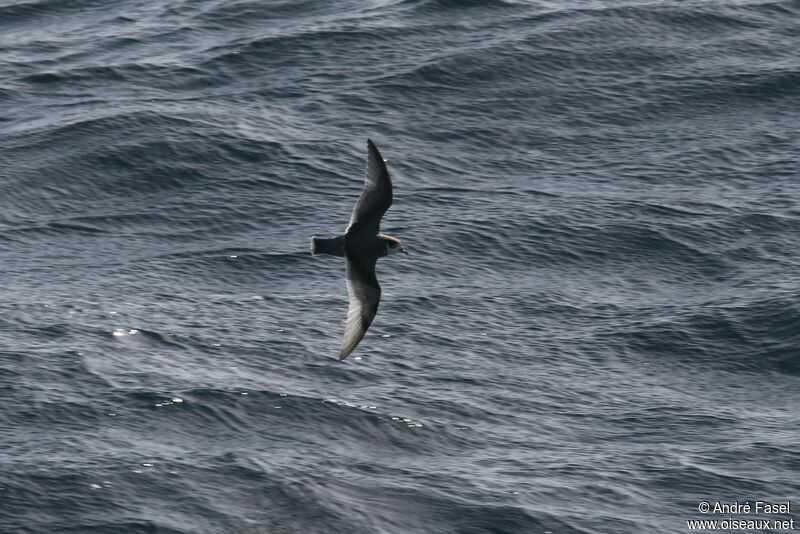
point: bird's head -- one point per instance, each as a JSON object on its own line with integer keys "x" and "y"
{"x": 393, "y": 245}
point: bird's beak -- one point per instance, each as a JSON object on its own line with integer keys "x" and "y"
{"x": 404, "y": 251}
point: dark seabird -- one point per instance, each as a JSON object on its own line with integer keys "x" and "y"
{"x": 362, "y": 244}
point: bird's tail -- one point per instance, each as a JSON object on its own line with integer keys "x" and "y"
{"x": 333, "y": 246}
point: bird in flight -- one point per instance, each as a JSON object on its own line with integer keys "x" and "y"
{"x": 362, "y": 244}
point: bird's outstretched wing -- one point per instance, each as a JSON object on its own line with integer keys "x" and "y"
{"x": 364, "y": 294}
{"x": 376, "y": 197}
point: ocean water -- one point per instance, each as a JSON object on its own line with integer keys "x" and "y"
{"x": 598, "y": 327}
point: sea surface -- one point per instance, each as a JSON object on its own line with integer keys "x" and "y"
{"x": 597, "y": 328}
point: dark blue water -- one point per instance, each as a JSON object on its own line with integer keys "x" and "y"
{"x": 598, "y": 326}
